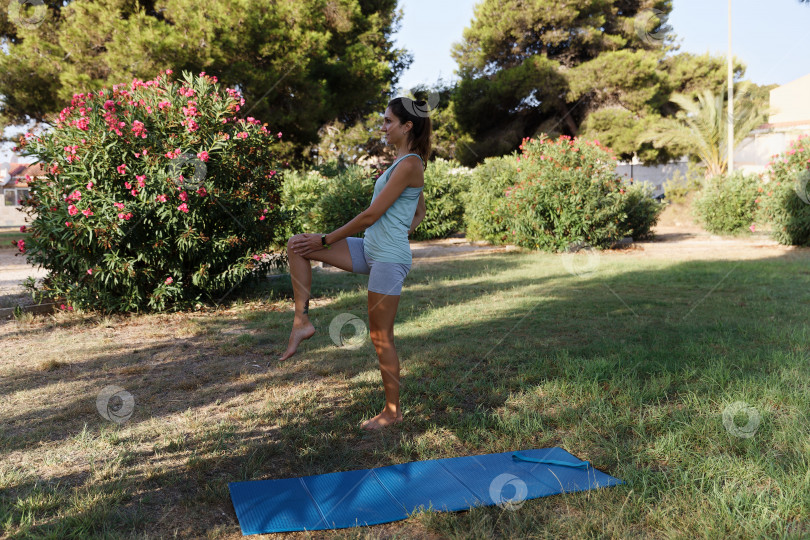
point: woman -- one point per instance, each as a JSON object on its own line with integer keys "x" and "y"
{"x": 396, "y": 209}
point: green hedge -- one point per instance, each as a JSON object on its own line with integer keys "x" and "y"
{"x": 727, "y": 203}
{"x": 326, "y": 198}
{"x": 446, "y": 182}
{"x": 642, "y": 210}
{"x": 316, "y": 203}
{"x": 486, "y": 186}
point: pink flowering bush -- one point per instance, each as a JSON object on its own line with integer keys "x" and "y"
{"x": 157, "y": 197}
{"x": 784, "y": 201}
{"x": 565, "y": 192}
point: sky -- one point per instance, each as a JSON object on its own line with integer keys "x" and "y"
{"x": 769, "y": 36}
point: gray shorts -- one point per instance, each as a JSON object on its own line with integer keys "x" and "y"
{"x": 383, "y": 277}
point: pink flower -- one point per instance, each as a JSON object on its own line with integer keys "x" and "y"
{"x": 202, "y": 192}
{"x": 121, "y": 168}
{"x": 203, "y": 155}
{"x": 21, "y": 245}
{"x": 183, "y": 208}
{"x": 67, "y": 224}
{"x": 141, "y": 180}
{"x": 183, "y": 196}
{"x": 139, "y": 129}
{"x": 279, "y": 135}
{"x": 161, "y": 198}
{"x": 127, "y": 185}
{"x": 169, "y": 279}
{"x": 261, "y": 218}
{"x": 87, "y": 212}
{"x": 134, "y": 192}
{"x": 118, "y": 205}
{"x": 72, "y": 210}
{"x": 120, "y": 215}
{"x": 22, "y": 229}
{"x": 89, "y": 185}
{"x": 137, "y": 154}
{"x": 89, "y": 270}
{"x": 752, "y": 227}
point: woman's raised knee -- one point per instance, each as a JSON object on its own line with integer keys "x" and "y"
{"x": 290, "y": 240}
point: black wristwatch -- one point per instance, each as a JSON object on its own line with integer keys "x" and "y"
{"x": 323, "y": 241}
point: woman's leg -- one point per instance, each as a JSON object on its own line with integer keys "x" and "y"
{"x": 382, "y": 310}
{"x": 301, "y": 274}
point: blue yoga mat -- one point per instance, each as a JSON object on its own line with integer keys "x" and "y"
{"x": 371, "y": 496}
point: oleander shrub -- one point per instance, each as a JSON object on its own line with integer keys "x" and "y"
{"x": 157, "y": 197}
{"x": 483, "y": 197}
{"x": 726, "y": 204}
{"x": 784, "y": 200}
{"x": 446, "y": 181}
{"x": 567, "y": 192}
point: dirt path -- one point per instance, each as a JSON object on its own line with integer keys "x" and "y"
{"x": 13, "y": 271}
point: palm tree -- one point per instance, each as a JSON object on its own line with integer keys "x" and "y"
{"x": 700, "y": 127}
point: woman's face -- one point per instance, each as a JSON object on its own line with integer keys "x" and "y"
{"x": 393, "y": 131}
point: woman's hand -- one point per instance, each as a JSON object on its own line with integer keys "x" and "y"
{"x": 306, "y": 244}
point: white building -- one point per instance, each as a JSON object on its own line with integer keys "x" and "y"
{"x": 789, "y": 118}
{"x": 13, "y": 188}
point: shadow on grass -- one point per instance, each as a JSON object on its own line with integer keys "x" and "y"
{"x": 476, "y": 333}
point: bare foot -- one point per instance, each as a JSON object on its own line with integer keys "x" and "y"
{"x": 381, "y": 420}
{"x": 300, "y": 332}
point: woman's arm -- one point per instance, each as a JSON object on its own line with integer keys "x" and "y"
{"x": 400, "y": 179}
{"x": 420, "y": 213}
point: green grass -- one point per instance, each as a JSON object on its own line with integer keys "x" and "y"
{"x": 630, "y": 368}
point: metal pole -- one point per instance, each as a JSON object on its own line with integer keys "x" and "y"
{"x": 730, "y": 98}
